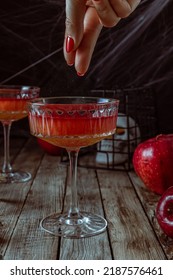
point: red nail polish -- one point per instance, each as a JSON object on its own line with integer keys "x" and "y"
{"x": 80, "y": 74}
{"x": 70, "y": 64}
{"x": 69, "y": 44}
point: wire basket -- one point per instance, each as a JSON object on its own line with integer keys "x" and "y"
{"x": 137, "y": 121}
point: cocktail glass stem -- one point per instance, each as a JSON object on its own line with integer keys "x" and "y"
{"x": 73, "y": 123}
{"x": 13, "y": 107}
{"x": 7, "y": 168}
{"x": 8, "y": 175}
{"x": 73, "y": 157}
{"x": 74, "y": 223}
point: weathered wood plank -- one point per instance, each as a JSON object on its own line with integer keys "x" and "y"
{"x": 44, "y": 197}
{"x": 91, "y": 248}
{"x": 128, "y": 206}
{"x": 13, "y": 196}
{"x": 149, "y": 201}
{"x": 130, "y": 232}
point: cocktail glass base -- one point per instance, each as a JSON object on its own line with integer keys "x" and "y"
{"x": 82, "y": 225}
{"x": 14, "y": 177}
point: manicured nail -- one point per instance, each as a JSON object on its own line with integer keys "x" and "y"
{"x": 69, "y": 44}
{"x": 80, "y": 74}
{"x": 70, "y": 64}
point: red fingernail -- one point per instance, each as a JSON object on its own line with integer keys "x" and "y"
{"x": 80, "y": 74}
{"x": 69, "y": 44}
{"x": 70, "y": 64}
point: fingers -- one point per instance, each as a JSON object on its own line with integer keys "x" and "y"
{"x": 82, "y": 30}
{"x": 124, "y": 8}
{"x": 107, "y": 14}
{"x": 111, "y": 11}
{"x": 75, "y": 12}
{"x": 92, "y": 29}
{"x": 84, "y": 21}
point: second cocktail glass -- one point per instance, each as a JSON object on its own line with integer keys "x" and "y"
{"x": 73, "y": 123}
{"x": 13, "y": 101}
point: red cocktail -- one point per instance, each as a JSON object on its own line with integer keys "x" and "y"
{"x": 72, "y": 123}
{"x": 69, "y": 126}
{"x": 13, "y": 107}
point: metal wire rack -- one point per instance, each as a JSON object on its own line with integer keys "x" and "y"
{"x": 137, "y": 121}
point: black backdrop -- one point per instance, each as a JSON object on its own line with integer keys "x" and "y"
{"x": 31, "y": 39}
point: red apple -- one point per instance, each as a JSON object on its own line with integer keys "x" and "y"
{"x": 49, "y": 148}
{"x": 153, "y": 162}
{"x": 164, "y": 212}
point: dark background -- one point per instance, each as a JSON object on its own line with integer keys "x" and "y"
{"x": 137, "y": 52}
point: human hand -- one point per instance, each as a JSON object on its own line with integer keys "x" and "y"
{"x": 84, "y": 22}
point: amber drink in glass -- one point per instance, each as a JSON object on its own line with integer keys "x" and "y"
{"x": 73, "y": 123}
{"x": 13, "y": 107}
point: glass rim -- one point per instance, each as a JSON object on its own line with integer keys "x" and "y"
{"x": 38, "y": 100}
{"x": 4, "y": 86}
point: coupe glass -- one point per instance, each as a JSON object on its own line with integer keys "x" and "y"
{"x": 13, "y": 100}
{"x": 73, "y": 123}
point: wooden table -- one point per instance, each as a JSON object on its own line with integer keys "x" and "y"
{"x": 132, "y": 233}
